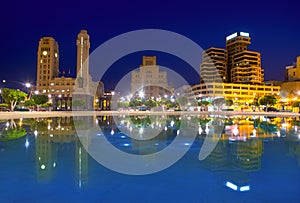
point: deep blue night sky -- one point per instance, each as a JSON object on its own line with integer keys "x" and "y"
{"x": 274, "y": 28}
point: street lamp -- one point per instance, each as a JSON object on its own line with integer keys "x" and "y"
{"x": 141, "y": 94}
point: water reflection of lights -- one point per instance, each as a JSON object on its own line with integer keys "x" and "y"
{"x": 231, "y": 185}
{"x": 172, "y": 123}
{"x": 235, "y": 131}
{"x": 123, "y": 136}
{"x": 43, "y": 166}
{"x": 141, "y": 130}
{"x": 278, "y": 133}
{"x": 54, "y": 165}
{"x": 245, "y": 188}
{"x": 200, "y": 130}
{"x": 112, "y": 132}
{"x": 26, "y": 143}
{"x": 236, "y": 188}
{"x": 206, "y": 128}
{"x": 35, "y": 133}
{"x": 254, "y": 133}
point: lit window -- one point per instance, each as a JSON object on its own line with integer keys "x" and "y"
{"x": 52, "y": 84}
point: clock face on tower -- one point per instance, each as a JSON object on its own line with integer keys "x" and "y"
{"x": 44, "y": 53}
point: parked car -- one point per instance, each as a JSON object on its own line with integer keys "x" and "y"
{"x": 270, "y": 109}
{"x": 5, "y": 109}
{"x": 21, "y": 109}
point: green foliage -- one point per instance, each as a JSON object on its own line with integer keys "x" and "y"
{"x": 48, "y": 104}
{"x": 123, "y": 104}
{"x": 13, "y": 97}
{"x": 255, "y": 101}
{"x": 78, "y": 103}
{"x": 296, "y": 104}
{"x": 3, "y": 105}
{"x": 150, "y": 103}
{"x": 28, "y": 103}
{"x": 135, "y": 103}
{"x": 229, "y": 102}
{"x": 13, "y": 133}
{"x": 204, "y": 103}
{"x": 40, "y": 99}
{"x": 268, "y": 100}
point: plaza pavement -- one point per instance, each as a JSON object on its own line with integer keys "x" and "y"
{"x": 33, "y": 114}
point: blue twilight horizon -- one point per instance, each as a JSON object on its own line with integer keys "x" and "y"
{"x": 273, "y": 29}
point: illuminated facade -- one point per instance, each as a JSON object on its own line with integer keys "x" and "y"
{"x": 47, "y": 63}
{"x": 234, "y": 92}
{"x": 83, "y": 51}
{"x": 149, "y": 79}
{"x": 214, "y": 65}
{"x": 292, "y": 73}
{"x": 243, "y": 66}
{"x": 60, "y": 89}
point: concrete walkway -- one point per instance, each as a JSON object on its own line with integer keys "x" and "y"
{"x": 33, "y": 114}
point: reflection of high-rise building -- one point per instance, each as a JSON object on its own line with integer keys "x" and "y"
{"x": 214, "y": 65}
{"x": 53, "y": 136}
{"x": 218, "y": 158}
{"x": 149, "y": 79}
{"x": 247, "y": 155}
{"x": 44, "y": 155}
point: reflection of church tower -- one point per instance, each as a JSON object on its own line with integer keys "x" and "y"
{"x": 44, "y": 158}
{"x": 83, "y": 47}
{"x": 247, "y": 155}
{"x": 81, "y": 162}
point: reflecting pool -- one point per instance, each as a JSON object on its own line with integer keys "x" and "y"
{"x": 220, "y": 159}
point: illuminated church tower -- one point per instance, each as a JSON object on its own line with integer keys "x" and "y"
{"x": 83, "y": 51}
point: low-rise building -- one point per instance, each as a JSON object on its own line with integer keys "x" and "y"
{"x": 242, "y": 93}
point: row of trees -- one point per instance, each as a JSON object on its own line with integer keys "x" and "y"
{"x": 13, "y": 97}
{"x": 268, "y": 100}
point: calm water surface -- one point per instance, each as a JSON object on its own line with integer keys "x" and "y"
{"x": 43, "y": 160}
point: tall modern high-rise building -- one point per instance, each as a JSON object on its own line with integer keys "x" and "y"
{"x": 233, "y": 73}
{"x": 243, "y": 66}
{"x": 47, "y": 63}
{"x": 149, "y": 79}
{"x": 214, "y": 65}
